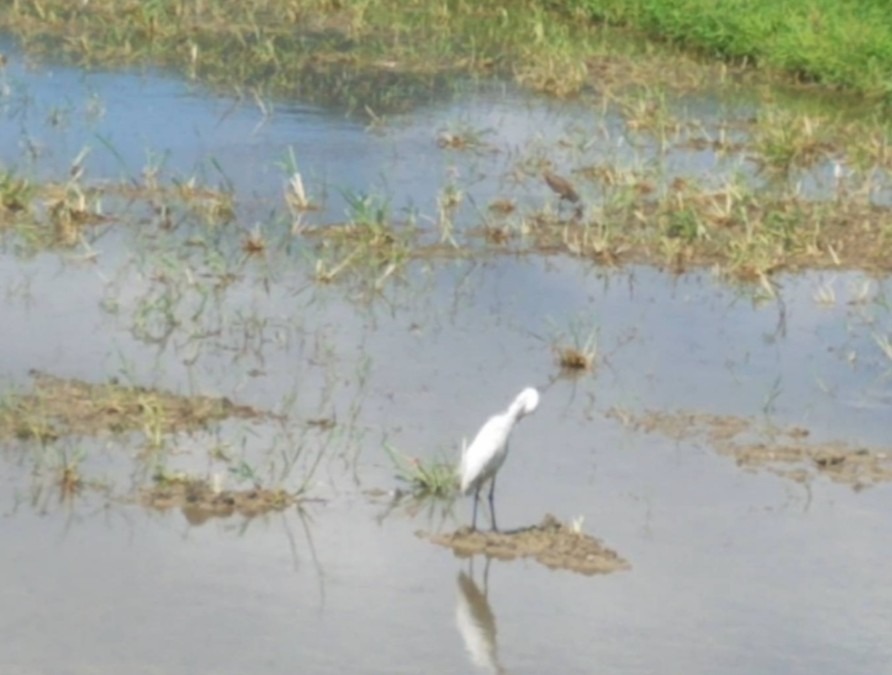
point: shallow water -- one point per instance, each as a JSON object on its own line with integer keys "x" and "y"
{"x": 732, "y": 571}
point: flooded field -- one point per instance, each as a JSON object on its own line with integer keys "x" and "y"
{"x": 239, "y": 335}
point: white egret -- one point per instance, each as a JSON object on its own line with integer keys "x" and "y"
{"x": 482, "y": 459}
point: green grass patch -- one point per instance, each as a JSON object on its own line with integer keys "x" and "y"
{"x": 434, "y": 478}
{"x": 844, "y": 43}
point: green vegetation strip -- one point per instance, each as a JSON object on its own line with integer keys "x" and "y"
{"x": 844, "y": 43}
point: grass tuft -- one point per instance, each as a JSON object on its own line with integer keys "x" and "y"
{"x": 435, "y": 478}
{"x": 577, "y": 349}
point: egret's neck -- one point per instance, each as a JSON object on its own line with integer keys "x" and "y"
{"x": 515, "y": 410}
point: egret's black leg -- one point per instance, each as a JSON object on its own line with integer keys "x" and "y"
{"x": 474, "y": 517}
{"x": 492, "y": 506}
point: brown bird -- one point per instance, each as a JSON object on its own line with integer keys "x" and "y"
{"x": 564, "y": 189}
{"x": 561, "y": 186}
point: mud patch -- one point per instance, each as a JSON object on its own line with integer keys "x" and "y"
{"x": 550, "y": 543}
{"x": 786, "y": 452}
{"x": 61, "y": 407}
{"x": 200, "y": 501}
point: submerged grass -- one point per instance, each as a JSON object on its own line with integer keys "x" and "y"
{"x": 53, "y": 215}
{"x": 372, "y": 245}
{"x": 369, "y": 53}
{"x": 63, "y": 407}
{"x": 201, "y": 500}
{"x": 369, "y": 56}
{"x": 790, "y": 452}
{"x": 744, "y": 232}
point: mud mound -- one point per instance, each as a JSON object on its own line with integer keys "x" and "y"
{"x": 550, "y": 542}
{"x": 199, "y": 501}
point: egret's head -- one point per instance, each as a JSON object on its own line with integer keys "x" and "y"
{"x": 527, "y": 401}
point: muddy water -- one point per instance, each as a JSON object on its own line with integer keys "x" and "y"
{"x": 731, "y": 571}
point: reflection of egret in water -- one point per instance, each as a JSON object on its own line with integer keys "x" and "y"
{"x": 477, "y": 623}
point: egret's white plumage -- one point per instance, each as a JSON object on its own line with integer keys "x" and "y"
{"x": 482, "y": 459}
